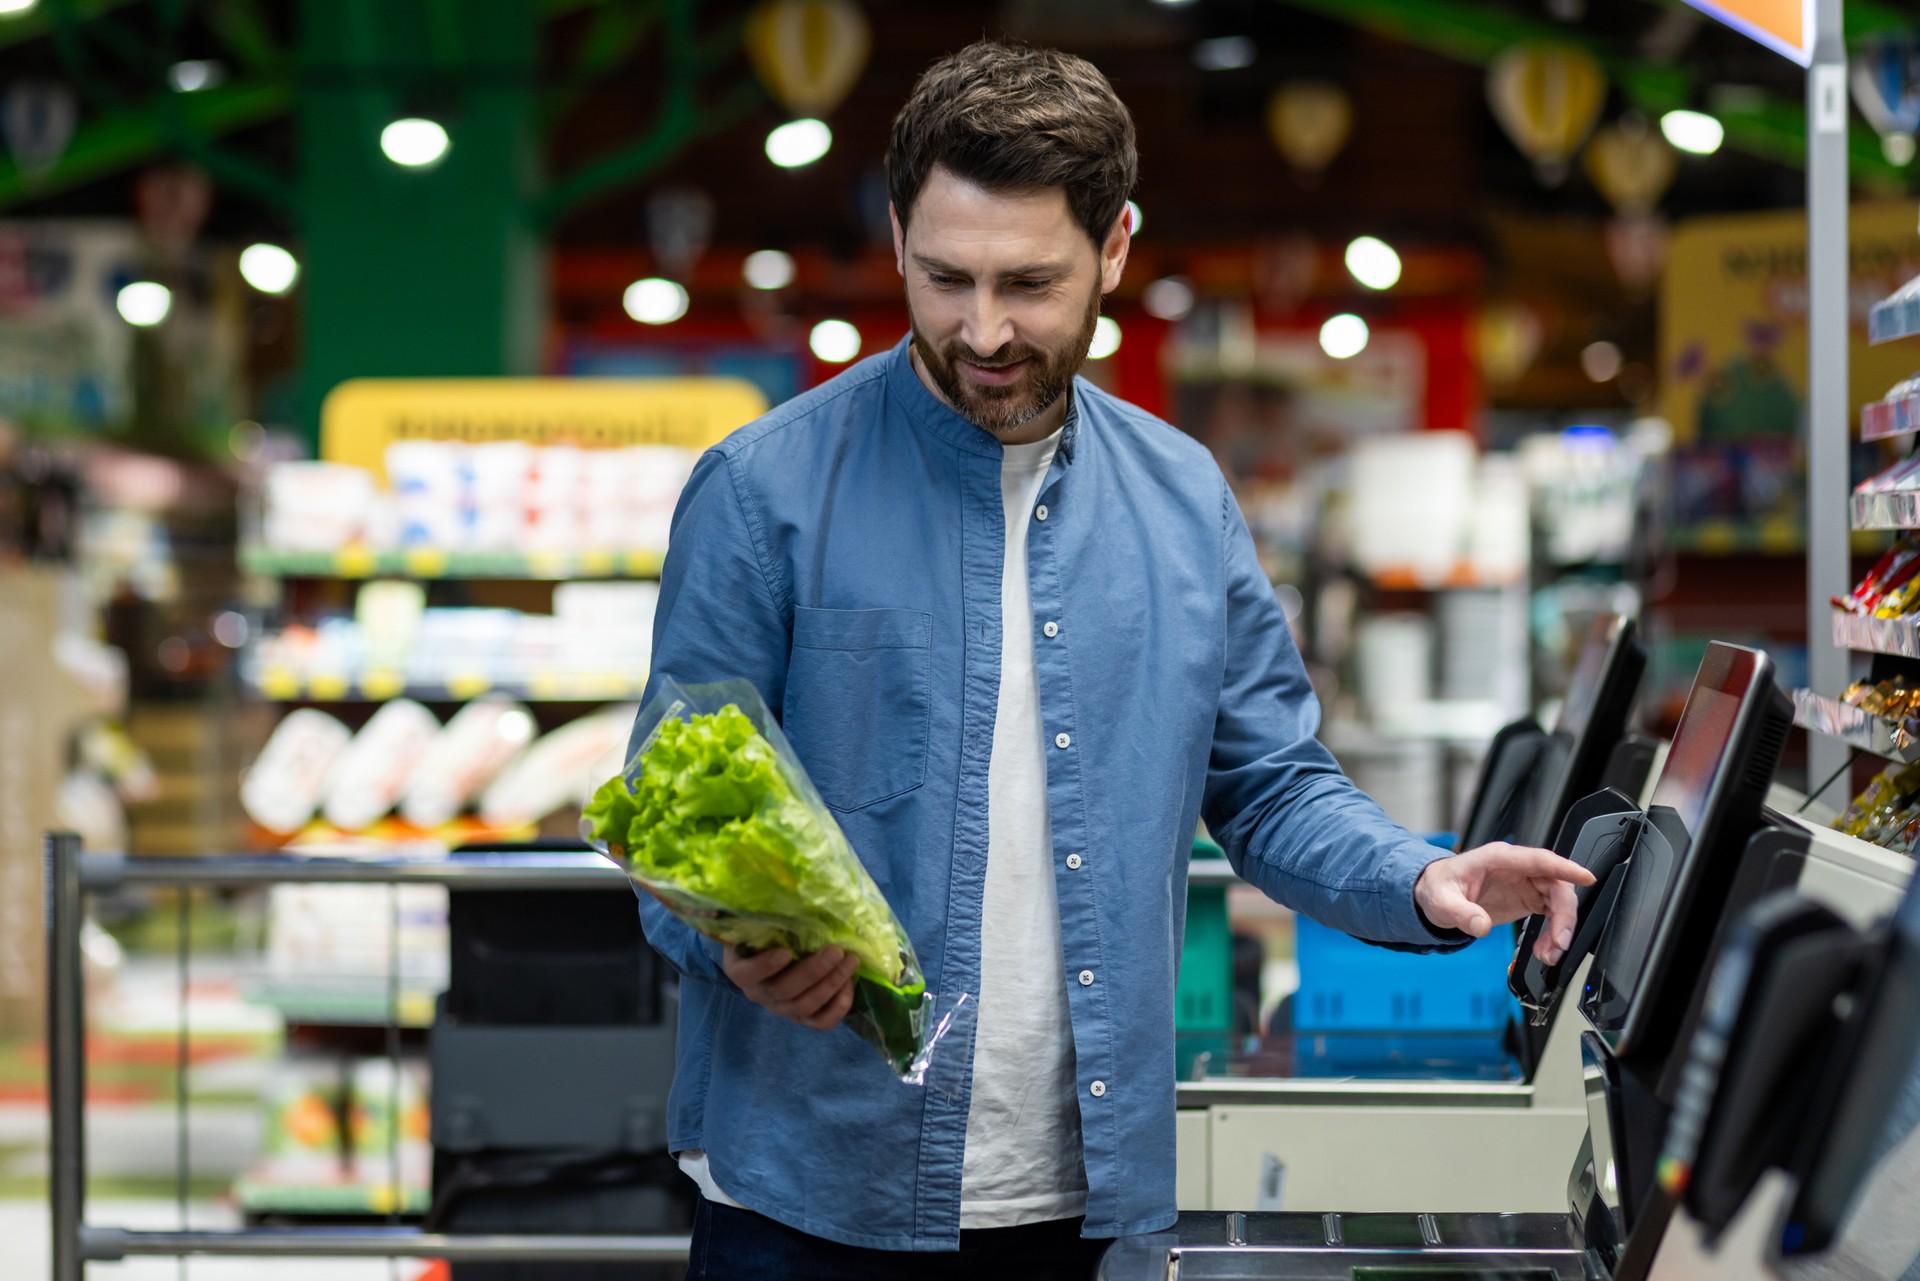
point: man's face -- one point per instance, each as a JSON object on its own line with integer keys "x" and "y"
{"x": 1003, "y": 289}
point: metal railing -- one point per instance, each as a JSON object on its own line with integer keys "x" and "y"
{"x": 71, "y": 874}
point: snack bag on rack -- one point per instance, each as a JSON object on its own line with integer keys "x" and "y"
{"x": 716, "y": 819}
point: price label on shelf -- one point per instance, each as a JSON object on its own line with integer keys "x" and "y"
{"x": 382, "y": 685}
{"x": 468, "y": 685}
{"x": 327, "y": 687}
{"x": 280, "y": 683}
{"x": 595, "y": 565}
{"x": 354, "y": 562}
{"x": 426, "y": 562}
{"x": 549, "y": 564}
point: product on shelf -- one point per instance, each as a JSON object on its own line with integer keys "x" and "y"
{"x": 1888, "y": 589}
{"x": 1903, "y": 475}
{"x": 1893, "y": 699}
{"x": 503, "y": 496}
{"x": 598, "y": 632}
{"x": 1905, "y": 389}
{"x": 302, "y": 1139}
{"x": 1888, "y": 811}
{"x": 372, "y": 773}
{"x": 464, "y": 757}
{"x": 318, "y": 506}
{"x": 289, "y": 779}
{"x": 372, "y": 1144}
{"x": 559, "y": 770}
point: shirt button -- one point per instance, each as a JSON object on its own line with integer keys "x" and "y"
{"x": 1051, "y": 630}
{"x": 1098, "y": 1089}
{"x": 1073, "y": 862}
{"x": 1040, "y": 512}
{"x": 1062, "y": 742}
{"x": 1086, "y": 978}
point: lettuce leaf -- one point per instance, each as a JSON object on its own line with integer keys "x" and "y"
{"x": 714, "y": 815}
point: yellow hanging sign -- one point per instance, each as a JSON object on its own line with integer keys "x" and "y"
{"x": 362, "y": 416}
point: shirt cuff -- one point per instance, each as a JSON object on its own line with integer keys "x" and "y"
{"x": 1406, "y": 924}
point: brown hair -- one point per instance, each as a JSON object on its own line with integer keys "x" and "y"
{"x": 1009, "y": 117}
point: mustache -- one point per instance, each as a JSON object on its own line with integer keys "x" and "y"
{"x": 1000, "y": 359}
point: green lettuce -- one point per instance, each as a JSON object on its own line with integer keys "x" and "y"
{"x": 714, "y": 826}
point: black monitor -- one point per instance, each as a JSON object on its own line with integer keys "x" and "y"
{"x": 1651, "y": 961}
{"x": 1869, "y": 1098}
{"x": 1530, "y": 777}
{"x": 1591, "y": 722}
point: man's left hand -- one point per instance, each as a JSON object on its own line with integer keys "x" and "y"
{"x": 1500, "y": 883}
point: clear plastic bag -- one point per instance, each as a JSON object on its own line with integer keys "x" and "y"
{"x": 716, "y": 819}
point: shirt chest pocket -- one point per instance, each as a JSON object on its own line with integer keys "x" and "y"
{"x": 856, "y": 705}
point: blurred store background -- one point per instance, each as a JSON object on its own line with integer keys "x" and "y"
{"x": 1493, "y": 311}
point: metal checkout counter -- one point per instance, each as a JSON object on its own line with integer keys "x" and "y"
{"x": 1234, "y": 1132}
{"x": 1676, "y": 879}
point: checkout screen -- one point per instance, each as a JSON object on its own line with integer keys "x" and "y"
{"x": 1698, "y": 754}
{"x": 1698, "y": 757}
{"x": 1576, "y": 709}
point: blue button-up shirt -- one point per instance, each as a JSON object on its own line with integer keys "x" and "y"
{"x": 844, "y": 553}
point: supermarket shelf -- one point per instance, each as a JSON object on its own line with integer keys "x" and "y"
{"x": 258, "y": 1195}
{"x": 427, "y": 562}
{"x": 1894, "y": 317}
{"x": 1899, "y": 636}
{"x": 1880, "y": 419}
{"x": 377, "y": 687}
{"x": 1856, "y": 727}
{"x": 1894, "y": 509}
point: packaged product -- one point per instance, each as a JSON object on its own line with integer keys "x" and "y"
{"x": 559, "y": 770}
{"x": 715, "y": 817}
{"x": 466, "y": 755}
{"x": 289, "y": 779}
{"x": 372, "y": 773}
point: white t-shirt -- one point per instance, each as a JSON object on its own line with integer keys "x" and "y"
{"x": 1023, "y": 1157}
{"x": 1023, "y": 1161}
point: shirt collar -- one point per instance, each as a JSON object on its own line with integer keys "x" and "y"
{"x": 943, "y": 421}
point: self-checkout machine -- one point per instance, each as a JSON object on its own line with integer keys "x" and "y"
{"x": 1281, "y": 1142}
{"x": 1794, "y": 1151}
{"x": 1670, "y": 876}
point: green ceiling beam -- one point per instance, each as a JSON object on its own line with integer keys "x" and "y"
{"x": 126, "y": 138}
{"x": 1772, "y": 128}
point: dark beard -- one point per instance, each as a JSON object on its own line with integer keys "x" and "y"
{"x": 1002, "y": 411}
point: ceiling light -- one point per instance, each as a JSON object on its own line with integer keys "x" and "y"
{"x": 1601, "y": 361}
{"x": 144, "y": 302}
{"x": 414, "y": 142}
{"x": 799, "y": 142}
{"x": 768, "y": 269}
{"x": 268, "y": 268}
{"x": 834, "y": 341}
{"x": 1106, "y": 338}
{"x": 1169, "y": 298}
{"x": 195, "y": 75}
{"x": 1224, "y": 53}
{"x": 1135, "y": 219}
{"x": 1373, "y": 263}
{"x": 655, "y": 301}
{"x": 1694, "y": 131}
{"x": 1343, "y": 336}
{"x": 13, "y": 8}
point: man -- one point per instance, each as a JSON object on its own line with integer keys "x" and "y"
{"x": 1017, "y": 634}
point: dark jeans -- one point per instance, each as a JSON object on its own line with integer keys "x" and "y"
{"x": 739, "y": 1245}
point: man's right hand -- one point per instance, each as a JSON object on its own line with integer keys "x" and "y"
{"x": 815, "y": 991}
